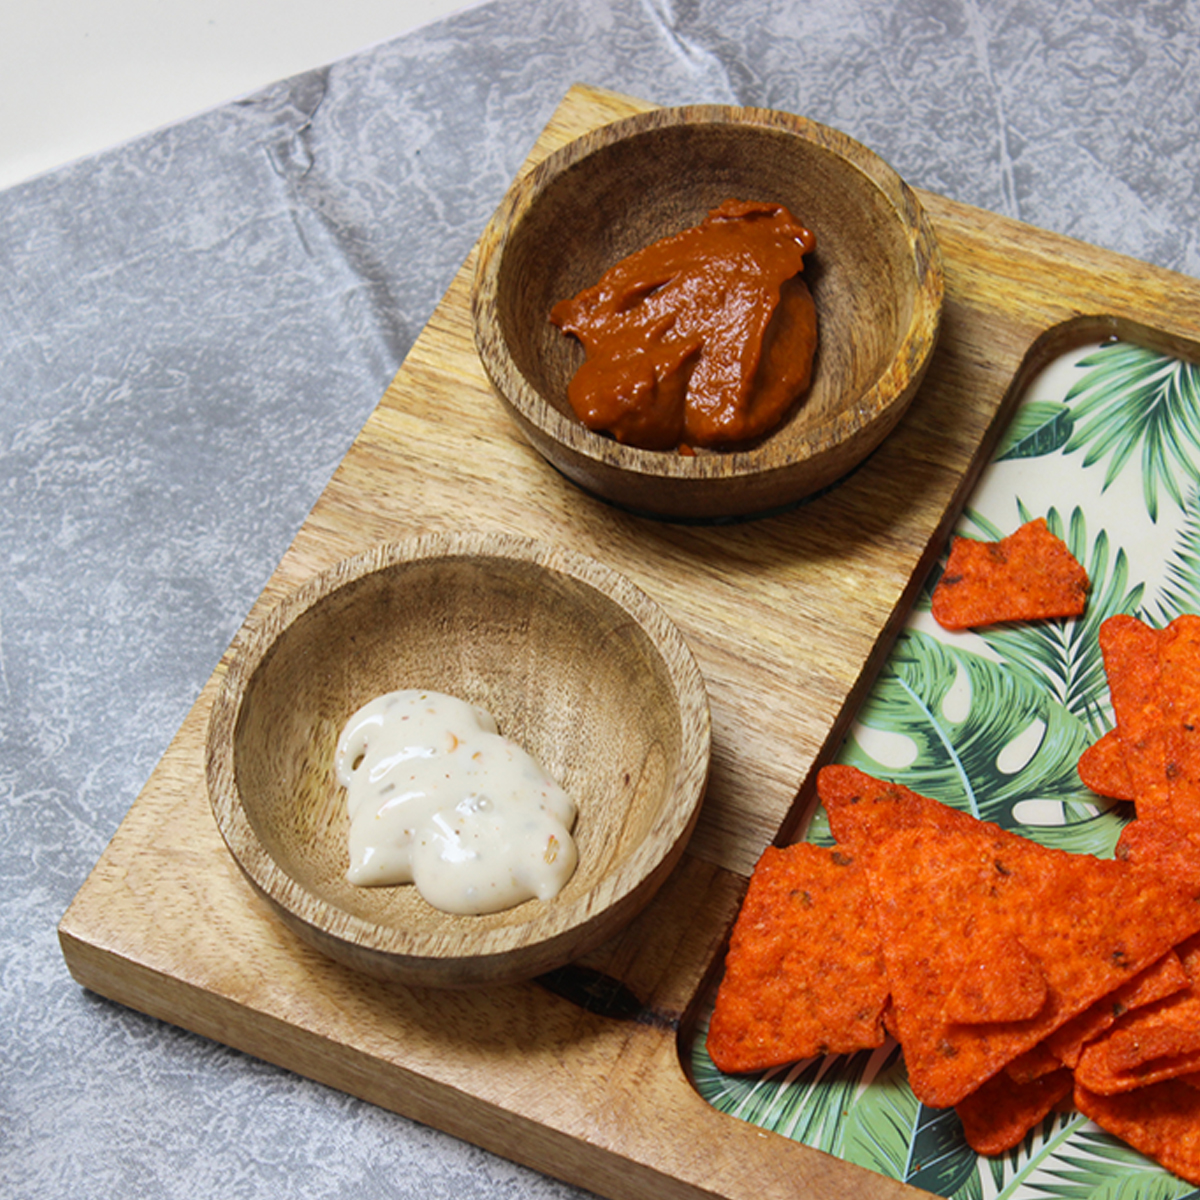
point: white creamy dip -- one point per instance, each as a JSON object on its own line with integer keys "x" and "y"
{"x": 438, "y": 798}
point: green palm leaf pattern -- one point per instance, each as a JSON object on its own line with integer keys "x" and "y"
{"x": 942, "y": 1162}
{"x": 1084, "y": 1163}
{"x": 1135, "y": 398}
{"x": 880, "y": 1127}
{"x": 981, "y": 736}
{"x": 1181, "y": 589}
{"x": 809, "y": 1101}
{"x": 891, "y": 1132}
{"x": 1038, "y": 428}
{"x": 993, "y": 721}
{"x": 1065, "y": 655}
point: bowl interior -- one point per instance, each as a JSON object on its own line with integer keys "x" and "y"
{"x": 570, "y": 671}
{"x": 615, "y": 196}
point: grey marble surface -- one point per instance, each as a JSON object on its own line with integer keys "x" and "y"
{"x": 193, "y": 328}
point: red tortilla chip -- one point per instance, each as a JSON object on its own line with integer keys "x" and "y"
{"x": 1162, "y": 1121}
{"x": 1144, "y": 1057}
{"x": 1179, "y": 681}
{"x": 869, "y": 816}
{"x": 999, "y": 1114}
{"x": 1155, "y": 1042}
{"x": 862, "y": 809}
{"x": 1103, "y": 769}
{"x": 1154, "y": 1050}
{"x": 1154, "y": 683}
{"x": 1162, "y": 847}
{"x": 804, "y": 974}
{"x": 941, "y": 893}
{"x": 1033, "y": 1064}
{"x": 1001, "y": 981}
{"x": 1161, "y": 979}
{"x": 1131, "y": 662}
{"x": 1164, "y": 1063}
{"x": 1028, "y": 576}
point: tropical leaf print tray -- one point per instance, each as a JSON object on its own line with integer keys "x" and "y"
{"x": 1106, "y": 446}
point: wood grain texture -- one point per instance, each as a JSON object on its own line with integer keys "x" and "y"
{"x": 633, "y": 182}
{"x": 787, "y": 617}
{"x": 575, "y": 665}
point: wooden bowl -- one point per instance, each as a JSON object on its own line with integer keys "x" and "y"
{"x": 573, "y": 661}
{"x": 875, "y": 275}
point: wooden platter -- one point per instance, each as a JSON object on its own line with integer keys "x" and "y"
{"x": 581, "y": 1075}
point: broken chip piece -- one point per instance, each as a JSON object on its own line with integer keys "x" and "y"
{"x": 1028, "y": 576}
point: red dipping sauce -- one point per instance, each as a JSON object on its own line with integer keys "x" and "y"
{"x": 705, "y": 338}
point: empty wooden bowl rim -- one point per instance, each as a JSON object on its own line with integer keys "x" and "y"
{"x": 915, "y": 349}
{"x": 471, "y": 940}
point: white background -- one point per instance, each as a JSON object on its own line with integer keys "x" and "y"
{"x": 78, "y": 76}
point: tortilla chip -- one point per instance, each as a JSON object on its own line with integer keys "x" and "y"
{"x": 1179, "y": 683}
{"x": 1162, "y": 847}
{"x": 804, "y": 974}
{"x": 862, "y": 809}
{"x": 1155, "y": 1042}
{"x": 1103, "y": 769}
{"x": 1152, "y": 756}
{"x": 1091, "y": 925}
{"x": 1131, "y": 661}
{"x": 1001, "y": 1112}
{"x": 1154, "y": 683}
{"x": 1155, "y": 1050}
{"x": 1160, "y": 979}
{"x": 1162, "y": 1121}
{"x": 1002, "y": 981}
{"x": 1028, "y": 576}
{"x": 1163, "y": 1062}
{"x": 1033, "y": 1064}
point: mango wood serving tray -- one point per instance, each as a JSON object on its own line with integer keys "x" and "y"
{"x": 581, "y": 1075}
